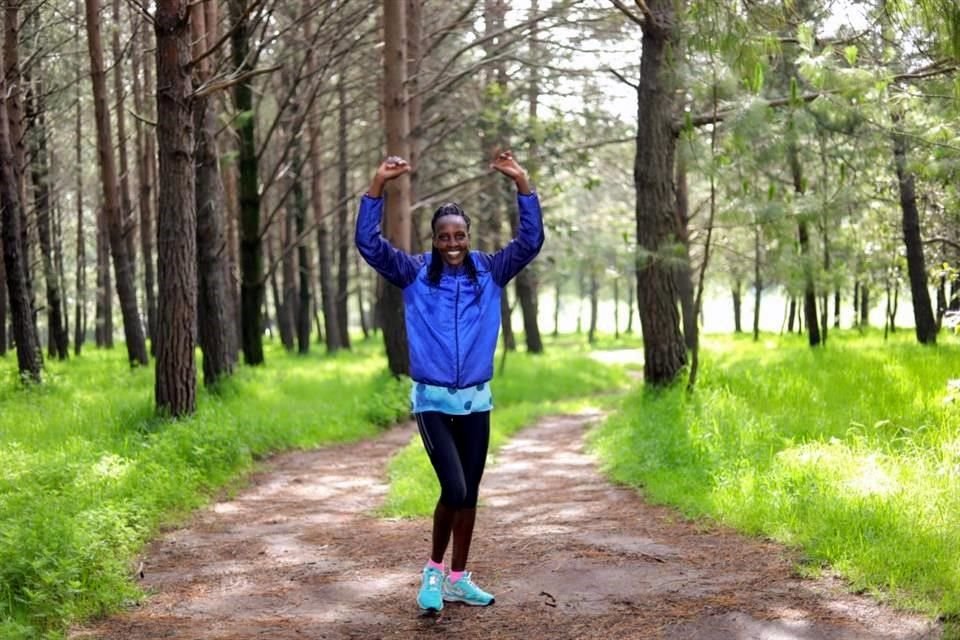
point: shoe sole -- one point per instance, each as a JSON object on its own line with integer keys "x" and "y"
{"x": 472, "y": 603}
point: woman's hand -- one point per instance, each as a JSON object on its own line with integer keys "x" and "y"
{"x": 505, "y": 163}
{"x": 392, "y": 167}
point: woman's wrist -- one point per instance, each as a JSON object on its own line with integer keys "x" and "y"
{"x": 376, "y": 187}
{"x": 523, "y": 184}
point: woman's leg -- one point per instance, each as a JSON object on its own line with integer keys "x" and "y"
{"x": 472, "y": 437}
{"x": 436, "y": 432}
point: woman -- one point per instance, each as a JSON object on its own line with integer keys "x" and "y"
{"x": 452, "y": 307}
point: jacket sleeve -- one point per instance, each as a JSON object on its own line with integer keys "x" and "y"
{"x": 398, "y": 267}
{"x": 510, "y": 260}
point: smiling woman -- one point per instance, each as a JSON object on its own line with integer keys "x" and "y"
{"x": 451, "y": 300}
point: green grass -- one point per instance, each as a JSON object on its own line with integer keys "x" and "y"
{"x": 848, "y": 452}
{"x": 564, "y": 379}
{"x": 88, "y": 474}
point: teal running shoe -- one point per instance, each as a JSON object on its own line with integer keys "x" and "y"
{"x": 430, "y": 598}
{"x": 463, "y": 590}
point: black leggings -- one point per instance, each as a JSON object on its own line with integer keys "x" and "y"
{"x": 457, "y": 446}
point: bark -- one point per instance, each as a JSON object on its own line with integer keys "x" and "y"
{"x": 17, "y": 141}
{"x": 29, "y": 359}
{"x": 328, "y": 294}
{"x": 397, "y": 212}
{"x": 3, "y": 305}
{"x": 526, "y": 284}
{"x": 298, "y": 207}
{"x": 864, "y": 306}
{"x": 80, "y": 309}
{"x": 657, "y": 295}
{"x": 803, "y": 238}
{"x": 126, "y": 204}
{"x": 594, "y": 308}
{"x": 122, "y": 267}
{"x": 924, "y": 321}
{"x": 57, "y": 340}
{"x": 414, "y": 110}
{"x": 684, "y": 272}
{"x": 216, "y": 326}
{"x": 104, "y": 310}
{"x": 737, "y": 293}
{"x": 286, "y": 306}
{"x": 176, "y": 369}
{"x": 343, "y": 227}
{"x": 252, "y": 285}
{"x": 146, "y": 172}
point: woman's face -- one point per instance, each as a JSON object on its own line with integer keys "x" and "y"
{"x": 452, "y": 239}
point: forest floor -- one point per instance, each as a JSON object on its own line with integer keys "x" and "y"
{"x": 299, "y": 553}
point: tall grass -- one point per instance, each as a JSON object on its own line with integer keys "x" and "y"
{"x": 563, "y": 379}
{"x": 87, "y": 474}
{"x": 848, "y": 452}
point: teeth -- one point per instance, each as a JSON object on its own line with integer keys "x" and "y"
{"x": 453, "y": 254}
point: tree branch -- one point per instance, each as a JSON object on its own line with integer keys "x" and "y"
{"x": 947, "y": 241}
{"x": 625, "y": 10}
{"x": 225, "y": 83}
{"x": 623, "y": 79}
{"x": 720, "y": 116}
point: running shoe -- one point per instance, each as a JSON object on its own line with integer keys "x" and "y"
{"x": 463, "y": 590}
{"x": 430, "y": 598}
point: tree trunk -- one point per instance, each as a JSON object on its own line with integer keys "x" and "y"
{"x": 397, "y": 215}
{"x": 126, "y": 204}
{"x": 57, "y": 338}
{"x": 657, "y": 296}
{"x": 856, "y": 303}
{"x": 737, "y": 293}
{"x": 216, "y": 329}
{"x": 864, "y": 306}
{"x": 17, "y": 140}
{"x": 288, "y": 306}
{"x": 926, "y": 325}
{"x": 123, "y": 270}
{"x": 176, "y": 368}
{"x": 684, "y": 271}
{"x": 344, "y": 246}
{"x": 328, "y": 294}
{"x": 594, "y": 307}
{"x": 299, "y": 211}
{"x": 3, "y": 304}
{"x": 803, "y": 236}
{"x": 757, "y": 280}
{"x": 104, "y": 311}
{"x": 285, "y": 298}
{"x": 29, "y": 360}
{"x": 526, "y": 284}
{"x": 414, "y": 9}
{"x": 146, "y": 172}
{"x": 252, "y": 285}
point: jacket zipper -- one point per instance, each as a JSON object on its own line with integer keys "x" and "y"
{"x": 456, "y": 330}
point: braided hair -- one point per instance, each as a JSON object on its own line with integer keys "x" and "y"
{"x": 436, "y": 263}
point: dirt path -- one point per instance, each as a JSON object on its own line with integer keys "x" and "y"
{"x": 297, "y": 555}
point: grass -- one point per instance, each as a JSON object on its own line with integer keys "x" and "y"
{"x": 849, "y": 453}
{"x": 564, "y": 379}
{"x": 88, "y": 474}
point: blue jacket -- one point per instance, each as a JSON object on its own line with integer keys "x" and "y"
{"x": 452, "y": 328}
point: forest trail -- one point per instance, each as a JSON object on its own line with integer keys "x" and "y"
{"x": 298, "y": 554}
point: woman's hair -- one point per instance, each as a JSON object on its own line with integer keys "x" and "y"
{"x": 436, "y": 262}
